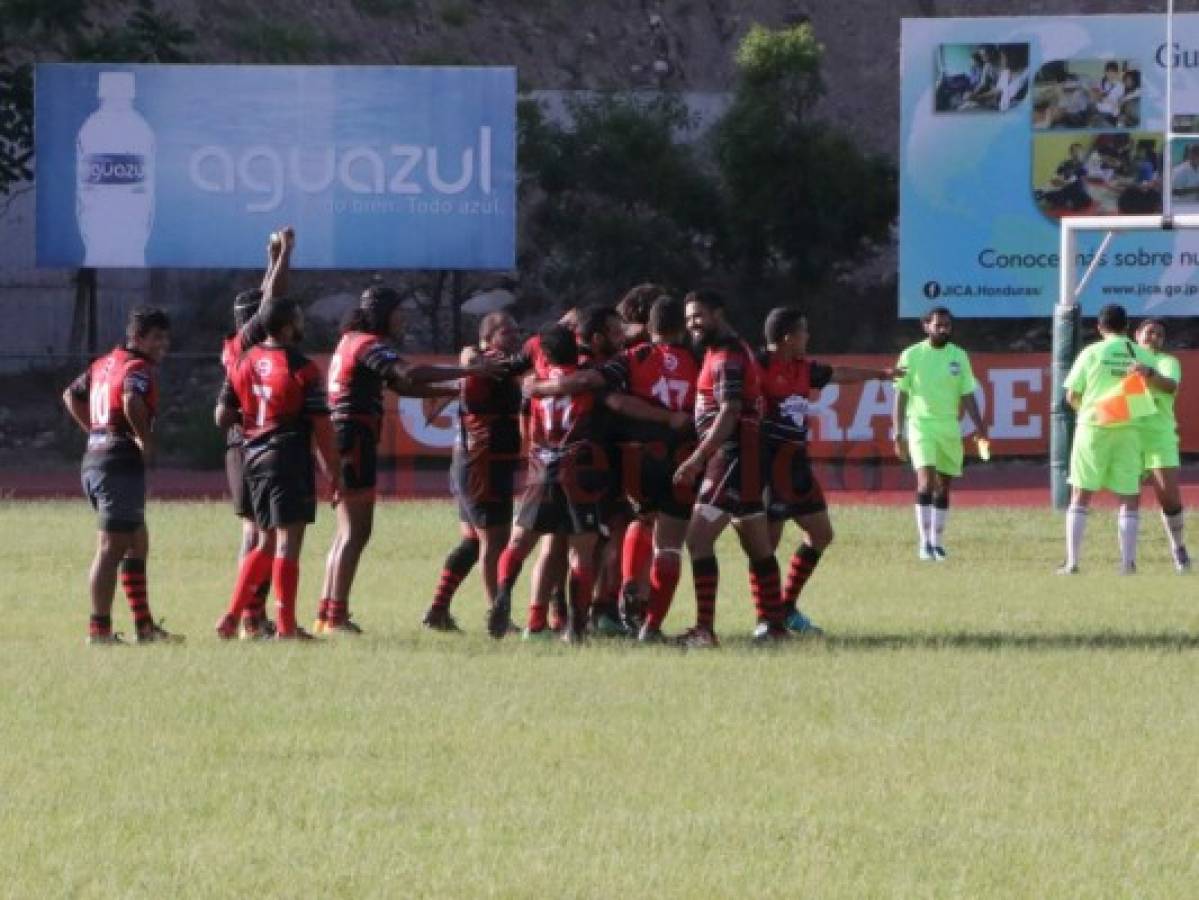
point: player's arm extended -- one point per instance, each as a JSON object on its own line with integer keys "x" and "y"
{"x": 644, "y": 411}
{"x": 722, "y": 429}
{"x": 138, "y": 416}
{"x": 76, "y": 404}
{"x": 275, "y": 281}
{"x": 858, "y": 374}
{"x": 405, "y": 376}
{"x": 1156, "y": 380}
{"x": 579, "y": 382}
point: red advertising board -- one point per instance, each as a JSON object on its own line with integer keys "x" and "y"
{"x": 848, "y": 421}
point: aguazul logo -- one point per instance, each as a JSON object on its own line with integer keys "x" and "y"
{"x": 114, "y": 168}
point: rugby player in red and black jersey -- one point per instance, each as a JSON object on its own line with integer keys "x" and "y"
{"x": 565, "y": 483}
{"x": 789, "y": 379}
{"x": 366, "y": 361}
{"x": 637, "y": 552}
{"x": 115, "y": 402}
{"x": 279, "y": 396}
{"x": 485, "y": 458}
{"x": 728, "y": 413}
{"x": 245, "y": 334}
{"x": 662, "y": 373}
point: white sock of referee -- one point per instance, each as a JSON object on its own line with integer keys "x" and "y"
{"x": 1076, "y": 527}
{"x": 1127, "y": 525}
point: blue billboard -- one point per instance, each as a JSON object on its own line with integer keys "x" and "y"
{"x": 192, "y": 166}
{"x": 1008, "y": 125}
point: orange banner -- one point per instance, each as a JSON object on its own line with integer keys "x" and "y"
{"x": 848, "y": 421}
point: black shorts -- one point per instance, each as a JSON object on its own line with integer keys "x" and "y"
{"x": 550, "y": 509}
{"x": 484, "y": 490}
{"x": 358, "y": 449}
{"x": 118, "y": 496}
{"x": 239, "y": 488}
{"x": 282, "y": 487}
{"x": 732, "y": 482}
{"x": 649, "y": 480}
{"x": 792, "y": 489}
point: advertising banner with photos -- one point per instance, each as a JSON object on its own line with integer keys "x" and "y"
{"x": 1007, "y": 125}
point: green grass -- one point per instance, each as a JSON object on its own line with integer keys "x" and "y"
{"x": 975, "y": 728}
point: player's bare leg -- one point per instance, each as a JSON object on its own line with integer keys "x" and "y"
{"x": 511, "y": 560}
{"x": 111, "y": 547}
{"x": 582, "y": 582}
{"x": 355, "y": 523}
{"x": 549, "y": 583}
{"x": 457, "y": 566}
{"x": 1169, "y": 498}
{"x": 665, "y": 569}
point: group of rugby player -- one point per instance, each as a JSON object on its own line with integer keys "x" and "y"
{"x": 648, "y": 427}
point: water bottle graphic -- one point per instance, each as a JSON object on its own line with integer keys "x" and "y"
{"x": 114, "y": 198}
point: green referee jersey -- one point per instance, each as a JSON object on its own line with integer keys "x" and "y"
{"x": 935, "y": 381}
{"x": 1098, "y": 371}
{"x": 1163, "y": 421}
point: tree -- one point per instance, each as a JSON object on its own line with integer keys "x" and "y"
{"x": 803, "y": 197}
{"x": 615, "y": 197}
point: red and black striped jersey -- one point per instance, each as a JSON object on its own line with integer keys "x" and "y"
{"x": 562, "y": 430}
{"x": 278, "y": 391}
{"x": 665, "y": 374}
{"x": 231, "y": 351}
{"x": 358, "y": 370}
{"x": 489, "y": 416}
{"x": 104, "y": 384}
{"x": 787, "y": 387}
{"x": 729, "y": 373}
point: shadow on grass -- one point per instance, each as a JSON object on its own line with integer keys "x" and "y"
{"x": 998, "y": 640}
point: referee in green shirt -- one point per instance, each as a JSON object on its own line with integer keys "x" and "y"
{"x": 1106, "y": 453}
{"x": 936, "y": 385}
{"x": 1159, "y": 438}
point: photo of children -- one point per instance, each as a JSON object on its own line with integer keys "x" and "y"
{"x": 1087, "y": 93}
{"x": 1184, "y": 176}
{"x": 980, "y": 77}
{"x": 1098, "y": 174}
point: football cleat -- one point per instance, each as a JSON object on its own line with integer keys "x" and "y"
{"x": 538, "y": 635}
{"x": 800, "y": 625}
{"x": 699, "y": 639}
{"x": 939, "y": 554}
{"x": 926, "y": 553}
{"x": 298, "y": 635}
{"x": 499, "y": 617}
{"x": 575, "y": 636}
{"x": 109, "y": 639}
{"x": 604, "y": 624}
{"x": 770, "y": 633}
{"x": 632, "y": 609}
{"x": 346, "y": 626}
{"x": 1066, "y": 569}
{"x": 226, "y": 628}
{"x": 1182, "y": 561}
{"x": 439, "y": 619}
{"x": 650, "y": 634}
{"x": 154, "y": 633}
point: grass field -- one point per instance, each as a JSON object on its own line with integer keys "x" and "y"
{"x": 974, "y": 728}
